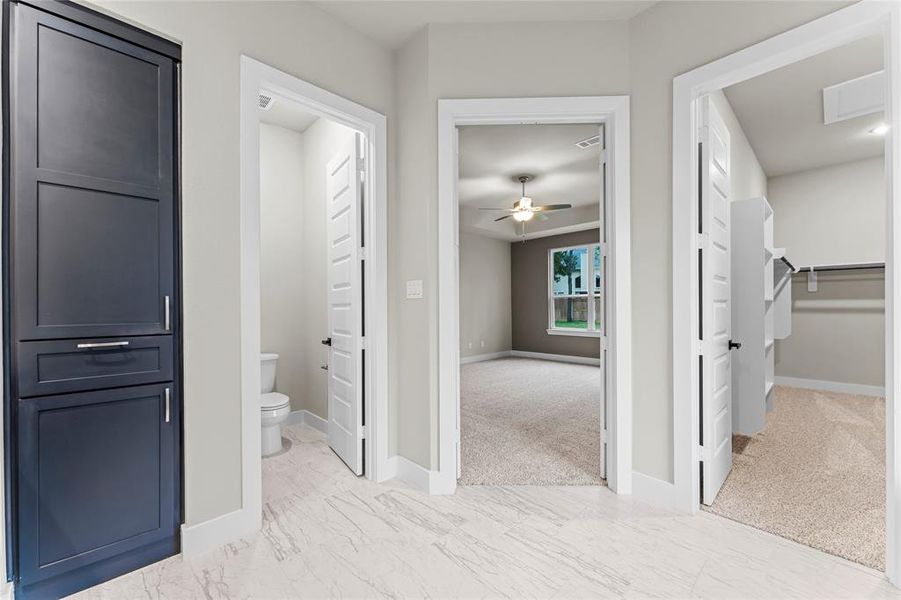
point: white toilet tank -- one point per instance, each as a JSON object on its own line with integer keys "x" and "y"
{"x": 268, "y": 364}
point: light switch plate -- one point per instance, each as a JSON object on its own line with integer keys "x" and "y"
{"x": 414, "y": 288}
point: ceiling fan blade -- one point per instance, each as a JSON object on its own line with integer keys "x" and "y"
{"x": 551, "y": 207}
{"x": 506, "y": 209}
{"x": 502, "y": 218}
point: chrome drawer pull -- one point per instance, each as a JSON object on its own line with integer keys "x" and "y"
{"x": 167, "y": 405}
{"x": 101, "y": 345}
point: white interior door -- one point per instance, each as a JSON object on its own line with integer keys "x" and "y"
{"x": 345, "y": 398}
{"x": 716, "y": 320}
{"x": 602, "y": 315}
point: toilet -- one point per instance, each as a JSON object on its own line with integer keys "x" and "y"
{"x": 274, "y": 407}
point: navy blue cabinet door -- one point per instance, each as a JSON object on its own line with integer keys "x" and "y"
{"x": 96, "y": 481}
{"x": 92, "y": 187}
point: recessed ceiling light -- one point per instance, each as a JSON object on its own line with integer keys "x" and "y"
{"x": 880, "y": 129}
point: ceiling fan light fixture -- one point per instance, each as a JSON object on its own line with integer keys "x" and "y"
{"x": 523, "y": 215}
{"x": 525, "y": 203}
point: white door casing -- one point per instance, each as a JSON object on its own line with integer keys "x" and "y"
{"x": 715, "y": 307}
{"x": 602, "y": 309}
{"x": 345, "y": 398}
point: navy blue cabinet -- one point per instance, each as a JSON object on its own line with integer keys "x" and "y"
{"x": 92, "y": 342}
{"x": 96, "y": 482}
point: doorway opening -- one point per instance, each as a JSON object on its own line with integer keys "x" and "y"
{"x": 783, "y": 299}
{"x": 610, "y": 395}
{"x": 312, "y": 171}
{"x": 314, "y": 246}
{"x": 532, "y": 304}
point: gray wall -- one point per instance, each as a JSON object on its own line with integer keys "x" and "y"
{"x": 838, "y": 332}
{"x": 282, "y": 233}
{"x": 834, "y": 215}
{"x": 530, "y": 297}
{"x": 639, "y": 57}
{"x": 302, "y": 40}
{"x": 485, "y": 310}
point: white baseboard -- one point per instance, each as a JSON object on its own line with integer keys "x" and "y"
{"x": 653, "y": 491}
{"x": 410, "y": 472}
{"x": 315, "y": 421}
{"x": 831, "y": 386}
{"x": 482, "y": 357}
{"x": 209, "y": 535}
{"x": 307, "y": 418}
{"x": 579, "y": 360}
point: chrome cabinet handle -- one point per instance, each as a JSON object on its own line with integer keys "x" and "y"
{"x": 166, "y": 321}
{"x": 101, "y": 345}
{"x": 167, "y": 405}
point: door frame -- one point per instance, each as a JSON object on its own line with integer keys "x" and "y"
{"x": 866, "y": 18}
{"x": 256, "y": 75}
{"x": 613, "y": 111}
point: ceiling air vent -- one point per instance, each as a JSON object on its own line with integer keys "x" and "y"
{"x": 266, "y": 101}
{"x": 592, "y": 141}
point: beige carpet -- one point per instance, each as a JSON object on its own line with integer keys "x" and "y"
{"x": 815, "y": 475}
{"x": 529, "y": 422}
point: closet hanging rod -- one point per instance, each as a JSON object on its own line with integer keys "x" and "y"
{"x": 842, "y": 267}
{"x": 788, "y": 263}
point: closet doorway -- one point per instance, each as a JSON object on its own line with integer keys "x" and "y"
{"x": 789, "y": 258}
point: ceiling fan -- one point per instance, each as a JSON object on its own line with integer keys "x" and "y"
{"x": 523, "y": 210}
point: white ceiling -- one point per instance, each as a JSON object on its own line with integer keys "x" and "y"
{"x": 781, "y": 112}
{"x": 491, "y": 156}
{"x": 391, "y": 23}
{"x": 290, "y": 115}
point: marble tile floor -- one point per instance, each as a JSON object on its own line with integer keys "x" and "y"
{"x": 328, "y": 534}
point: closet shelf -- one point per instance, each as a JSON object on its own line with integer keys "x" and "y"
{"x": 769, "y": 344}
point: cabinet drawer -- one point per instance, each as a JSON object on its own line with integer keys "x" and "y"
{"x": 61, "y": 366}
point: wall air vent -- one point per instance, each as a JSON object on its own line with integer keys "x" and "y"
{"x": 592, "y": 141}
{"x": 266, "y": 101}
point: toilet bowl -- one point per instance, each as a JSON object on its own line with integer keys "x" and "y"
{"x": 274, "y": 407}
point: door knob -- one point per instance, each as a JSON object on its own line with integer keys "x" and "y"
{"x": 323, "y": 367}
{"x": 327, "y": 342}
{"x": 734, "y": 345}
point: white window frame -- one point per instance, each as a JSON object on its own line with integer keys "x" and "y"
{"x": 590, "y": 331}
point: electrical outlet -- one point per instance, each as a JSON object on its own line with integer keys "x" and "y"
{"x": 469, "y": 345}
{"x": 483, "y": 343}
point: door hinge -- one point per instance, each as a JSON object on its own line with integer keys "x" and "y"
{"x": 364, "y": 432}
{"x": 363, "y": 343}
{"x": 701, "y": 241}
{"x": 603, "y": 157}
{"x": 699, "y": 347}
{"x": 604, "y": 343}
{"x": 703, "y": 453}
{"x": 603, "y": 247}
{"x": 604, "y": 436}
{"x": 361, "y": 252}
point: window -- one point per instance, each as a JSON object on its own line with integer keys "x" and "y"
{"x": 574, "y": 309}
